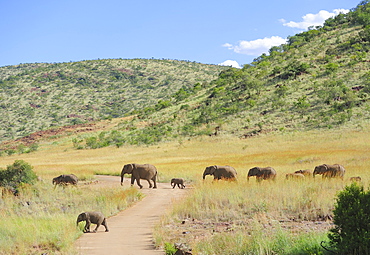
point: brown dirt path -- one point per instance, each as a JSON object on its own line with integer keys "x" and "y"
{"x": 130, "y": 231}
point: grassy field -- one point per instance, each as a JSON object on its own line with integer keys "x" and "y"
{"x": 235, "y": 217}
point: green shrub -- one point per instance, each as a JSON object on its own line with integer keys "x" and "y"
{"x": 351, "y": 234}
{"x": 169, "y": 249}
{"x": 20, "y": 172}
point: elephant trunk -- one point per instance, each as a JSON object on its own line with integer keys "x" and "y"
{"x": 204, "y": 175}
{"x": 122, "y": 176}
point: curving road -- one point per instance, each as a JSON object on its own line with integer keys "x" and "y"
{"x": 130, "y": 231}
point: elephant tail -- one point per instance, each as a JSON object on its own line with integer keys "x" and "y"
{"x": 156, "y": 176}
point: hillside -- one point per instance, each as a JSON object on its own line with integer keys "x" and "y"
{"x": 320, "y": 79}
{"x": 40, "y": 96}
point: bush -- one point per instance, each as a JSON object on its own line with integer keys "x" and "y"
{"x": 351, "y": 234}
{"x": 17, "y": 174}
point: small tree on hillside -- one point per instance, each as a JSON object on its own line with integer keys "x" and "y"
{"x": 351, "y": 234}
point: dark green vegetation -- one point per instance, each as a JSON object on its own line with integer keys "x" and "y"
{"x": 15, "y": 176}
{"x": 352, "y": 221}
{"x": 319, "y": 79}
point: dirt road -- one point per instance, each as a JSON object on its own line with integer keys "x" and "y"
{"x": 130, "y": 232}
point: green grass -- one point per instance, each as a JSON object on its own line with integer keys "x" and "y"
{"x": 43, "y": 219}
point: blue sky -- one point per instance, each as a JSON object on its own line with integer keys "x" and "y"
{"x": 211, "y": 32}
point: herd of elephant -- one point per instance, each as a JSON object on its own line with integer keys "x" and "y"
{"x": 269, "y": 173}
{"x": 149, "y": 173}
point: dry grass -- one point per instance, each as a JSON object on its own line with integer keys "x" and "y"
{"x": 285, "y": 152}
{"x": 248, "y": 206}
{"x": 43, "y": 219}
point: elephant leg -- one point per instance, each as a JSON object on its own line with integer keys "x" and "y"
{"x": 138, "y": 183}
{"x": 105, "y": 225}
{"x": 97, "y": 226}
{"x": 174, "y": 185}
{"x": 87, "y": 227}
{"x": 132, "y": 180}
{"x": 155, "y": 182}
{"x": 150, "y": 184}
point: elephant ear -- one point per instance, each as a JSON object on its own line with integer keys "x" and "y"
{"x": 213, "y": 169}
{"x": 129, "y": 168}
{"x": 82, "y": 216}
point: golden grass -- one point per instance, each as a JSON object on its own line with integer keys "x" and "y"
{"x": 239, "y": 201}
{"x": 285, "y": 152}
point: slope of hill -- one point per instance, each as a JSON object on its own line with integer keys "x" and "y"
{"x": 319, "y": 79}
{"x": 39, "y": 96}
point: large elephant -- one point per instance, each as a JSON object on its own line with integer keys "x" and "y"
{"x": 146, "y": 172}
{"x": 220, "y": 172}
{"x": 330, "y": 171}
{"x": 262, "y": 173}
{"x": 65, "y": 179}
{"x": 179, "y": 182}
{"x": 92, "y": 217}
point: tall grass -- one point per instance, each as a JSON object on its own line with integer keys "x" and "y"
{"x": 43, "y": 219}
{"x": 281, "y": 217}
{"x": 255, "y": 210}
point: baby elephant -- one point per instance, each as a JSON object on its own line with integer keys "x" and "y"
{"x": 355, "y": 179}
{"x": 92, "y": 217}
{"x": 179, "y": 182}
{"x": 305, "y": 172}
{"x": 296, "y": 176}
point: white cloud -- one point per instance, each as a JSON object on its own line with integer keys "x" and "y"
{"x": 313, "y": 19}
{"x": 232, "y": 63}
{"x": 256, "y": 47}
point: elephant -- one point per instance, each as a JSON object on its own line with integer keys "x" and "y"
{"x": 262, "y": 173}
{"x": 65, "y": 179}
{"x": 355, "y": 179}
{"x": 305, "y": 172}
{"x": 297, "y": 176}
{"x": 330, "y": 171}
{"x": 138, "y": 171}
{"x": 179, "y": 182}
{"x": 92, "y": 217}
{"x": 220, "y": 172}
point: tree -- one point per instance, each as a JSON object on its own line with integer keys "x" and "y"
{"x": 20, "y": 172}
{"x": 351, "y": 234}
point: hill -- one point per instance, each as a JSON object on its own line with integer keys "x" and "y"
{"x": 40, "y": 96}
{"x": 320, "y": 79}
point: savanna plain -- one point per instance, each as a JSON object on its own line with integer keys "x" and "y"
{"x": 241, "y": 217}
